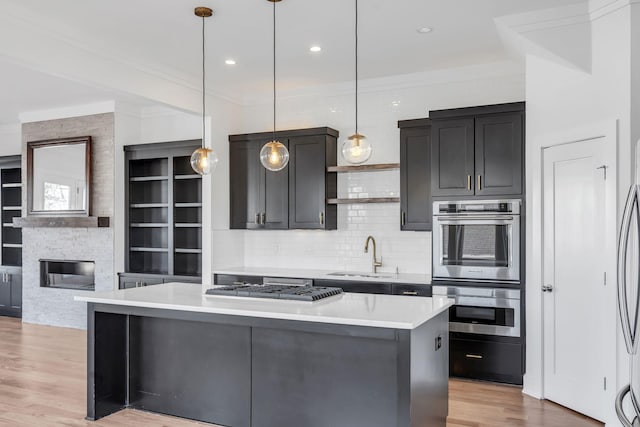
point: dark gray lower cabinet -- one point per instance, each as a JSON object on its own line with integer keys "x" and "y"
{"x": 234, "y": 279}
{"x": 133, "y": 280}
{"x": 357, "y": 287}
{"x": 10, "y": 292}
{"x": 411, "y": 290}
{"x": 486, "y": 358}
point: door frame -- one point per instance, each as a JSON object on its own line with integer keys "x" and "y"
{"x": 608, "y": 131}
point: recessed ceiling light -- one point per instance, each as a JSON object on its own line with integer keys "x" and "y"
{"x": 230, "y": 62}
{"x": 424, "y": 30}
{"x": 315, "y": 49}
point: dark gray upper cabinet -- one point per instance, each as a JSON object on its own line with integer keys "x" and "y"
{"x": 452, "y": 168}
{"x": 308, "y": 208}
{"x": 499, "y": 154}
{"x": 294, "y": 198}
{"x": 478, "y": 151}
{"x": 259, "y": 198}
{"x": 415, "y": 175}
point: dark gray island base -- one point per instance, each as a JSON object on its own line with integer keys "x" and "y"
{"x": 242, "y": 371}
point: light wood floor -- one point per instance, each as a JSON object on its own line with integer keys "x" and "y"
{"x": 43, "y": 380}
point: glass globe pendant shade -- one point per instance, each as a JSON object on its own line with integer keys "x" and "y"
{"x": 204, "y": 161}
{"x": 274, "y": 156}
{"x": 356, "y": 149}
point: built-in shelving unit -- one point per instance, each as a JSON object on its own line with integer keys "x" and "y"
{"x": 164, "y": 212}
{"x": 11, "y": 202}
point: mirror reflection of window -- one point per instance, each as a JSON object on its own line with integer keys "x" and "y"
{"x": 56, "y": 196}
{"x": 59, "y": 178}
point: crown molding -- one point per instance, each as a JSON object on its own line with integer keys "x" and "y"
{"x": 399, "y": 82}
{"x": 66, "y": 112}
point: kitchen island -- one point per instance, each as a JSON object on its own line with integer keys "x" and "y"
{"x": 348, "y": 360}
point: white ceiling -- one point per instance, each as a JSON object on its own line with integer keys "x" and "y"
{"x": 165, "y": 35}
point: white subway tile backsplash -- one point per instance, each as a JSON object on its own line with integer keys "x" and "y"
{"x": 343, "y": 249}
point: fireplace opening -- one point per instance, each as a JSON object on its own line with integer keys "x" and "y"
{"x": 78, "y": 275}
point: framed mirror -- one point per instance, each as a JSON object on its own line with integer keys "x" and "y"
{"x": 59, "y": 177}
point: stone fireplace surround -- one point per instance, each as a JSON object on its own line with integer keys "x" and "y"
{"x": 55, "y": 306}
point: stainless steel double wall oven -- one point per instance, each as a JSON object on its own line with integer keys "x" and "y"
{"x": 476, "y": 260}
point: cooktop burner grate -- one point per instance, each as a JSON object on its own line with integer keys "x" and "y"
{"x": 297, "y": 293}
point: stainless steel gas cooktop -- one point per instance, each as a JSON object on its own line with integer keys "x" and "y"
{"x": 283, "y": 292}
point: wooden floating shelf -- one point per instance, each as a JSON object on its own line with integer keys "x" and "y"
{"x": 148, "y": 205}
{"x": 12, "y": 208}
{"x": 148, "y": 178}
{"x": 11, "y": 245}
{"x": 12, "y": 185}
{"x": 141, "y": 249}
{"x": 188, "y": 205}
{"x": 188, "y": 225}
{"x": 363, "y": 200}
{"x": 148, "y": 224}
{"x": 188, "y": 251}
{"x": 364, "y": 168}
{"x": 195, "y": 176}
{"x": 62, "y": 221}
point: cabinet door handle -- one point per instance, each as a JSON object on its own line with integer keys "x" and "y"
{"x": 257, "y": 219}
{"x": 473, "y": 356}
{"x": 409, "y": 293}
{"x": 321, "y": 217}
{"x": 263, "y": 217}
{"x": 469, "y": 182}
{"x": 403, "y": 218}
{"x": 479, "y": 182}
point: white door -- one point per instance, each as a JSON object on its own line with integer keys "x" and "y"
{"x": 576, "y": 345}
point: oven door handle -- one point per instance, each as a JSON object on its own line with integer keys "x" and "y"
{"x": 475, "y": 221}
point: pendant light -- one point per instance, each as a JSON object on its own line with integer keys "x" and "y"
{"x": 203, "y": 160}
{"x": 274, "y": 156}
{"x": 356, "y": 149}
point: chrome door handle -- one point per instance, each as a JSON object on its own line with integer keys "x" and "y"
{"x": 321, "y": 218}
{"x": 257, "y": 219}
{"x": 263, "y": 218}
{"x": 410, "y": 293}
{"x": 469, "y": 182}
{"x": 479, "y": 183}
{"x": 547, "y": 288}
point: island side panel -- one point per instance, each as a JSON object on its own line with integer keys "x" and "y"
{"x": 191, "y": 369}
{"x": 303, "y": 378}
{"x": 430, "y": 372}
{"x": 106, "y": 363}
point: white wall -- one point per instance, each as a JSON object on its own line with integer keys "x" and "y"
{"x": 382, "y": 103}
{"x": 559, "y": 100}
{"x": 10, "y": 140}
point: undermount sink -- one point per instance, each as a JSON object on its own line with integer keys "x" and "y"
{"x": 365, "y": 275}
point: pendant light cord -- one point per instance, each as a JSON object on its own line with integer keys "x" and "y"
{"x": 356, "y": 66}
{"x": 274, "y": 71}
{"x": 203, "y": 84}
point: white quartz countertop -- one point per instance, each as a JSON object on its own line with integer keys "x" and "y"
{"x": 381, "y": 311}
{"x": 416, "y": 279}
